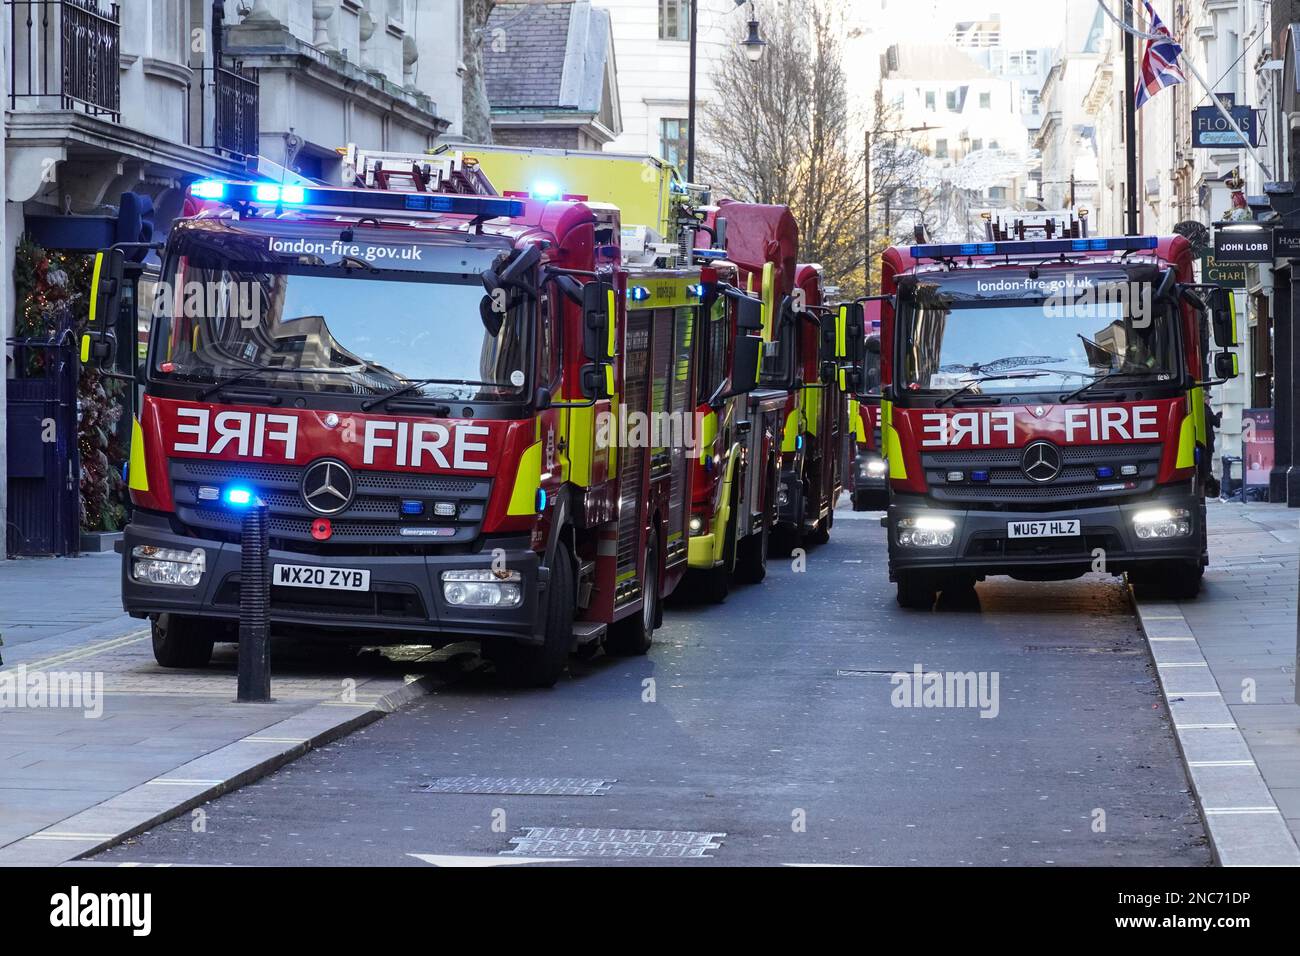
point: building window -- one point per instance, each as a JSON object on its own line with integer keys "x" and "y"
{"x": 929, "y": 100}
{"x": 672, "y": 142}
{"x": 953, "y": 106}
{"x": 998, "y": 193}
{"x": 674, "y": 19}
{"x": 986, "y": 100}
{"x": 976, "y": 145}
{"x": 941, "y": 149}
{"x": 993, "y": 144}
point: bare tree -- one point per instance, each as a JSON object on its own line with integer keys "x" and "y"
{"x": 781, "y": 131}
{"x": 477, "y": 111}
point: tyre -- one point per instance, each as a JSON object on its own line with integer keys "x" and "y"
{"x": 635, "y": 633}
{"x": 751, "y": 556}
{"x": 1175, "y": 582}
{"x": 915, "y": 590}
{"x": 184, "y": 641}
{"x": 540, "y": 665}
{"x": 860, "y": 500}
{"x": 820, "y": 534}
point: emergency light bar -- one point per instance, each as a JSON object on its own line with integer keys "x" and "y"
{"x": 273, "y": 194}
{"x": 950, "y": 250}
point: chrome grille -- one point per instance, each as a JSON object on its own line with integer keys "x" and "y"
{"x": 374, "y": 516}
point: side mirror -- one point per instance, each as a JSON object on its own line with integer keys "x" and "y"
{"x": 598, "y": 330}
{"x": 829, "y": 342}
{"x": 99, "y": 345}
{"x": 749, "y": 314}
{"x": 518, "y": 271}
{"x": 1225, "y": 365}
{"x": 1223, "y": 317}
{"x": 745, "y": 356}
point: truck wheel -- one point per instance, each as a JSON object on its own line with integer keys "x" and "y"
{"x": 916, "y": 590}
{"x": 1177, "y": 582}
{"x": 860, "y": 500}
{"x": 183, "y": 641}
{"x": 634, "y": 634}
{"x": 820, "y": 534}
{"x": 530, "y": 665}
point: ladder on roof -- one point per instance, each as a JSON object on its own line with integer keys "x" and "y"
{"x": 442, "y": 172}
{"x": 1061, "y": 224}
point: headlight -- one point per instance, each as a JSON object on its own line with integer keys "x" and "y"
{"x": 876, "y": 467}
{"x": 925, "y": 531}
{"x": 151, "y": 565}
{"x": 697, "y": 524}
{"x": 482, "y": 588}
{"x": 1163, "y": 523}
{"x": 783, "y": 495}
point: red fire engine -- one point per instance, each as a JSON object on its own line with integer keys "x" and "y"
{"x": 447, "y": 400}
{"x": 1043, "y": 411}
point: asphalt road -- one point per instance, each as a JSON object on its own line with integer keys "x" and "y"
{"x": 767, "y": 727}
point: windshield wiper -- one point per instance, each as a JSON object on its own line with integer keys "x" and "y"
{"x": 1114, "y": 373}
{"x": 415, "y": 383}
{"x": 265, "y": 369}
{"x": 985, "y": 378}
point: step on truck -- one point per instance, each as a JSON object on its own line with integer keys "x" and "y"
{"x": 1044, "y": 410}
{"x": 440, "y": 395}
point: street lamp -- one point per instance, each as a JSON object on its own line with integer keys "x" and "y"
{"x": 753, "y": 44}
{"x": 866, "y": 198}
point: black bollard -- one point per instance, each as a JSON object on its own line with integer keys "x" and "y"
{"x": 254, "y": 606}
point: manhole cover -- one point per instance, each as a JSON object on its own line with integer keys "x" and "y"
{"x": 520, "y": 786}
{"x": 600, "y": 841}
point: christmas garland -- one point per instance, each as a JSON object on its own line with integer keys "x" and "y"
{"x": 52, "y": 290}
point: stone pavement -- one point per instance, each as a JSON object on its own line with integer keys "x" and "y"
{"x": 1227, "y": 663}
{"x": 97, "y": 742}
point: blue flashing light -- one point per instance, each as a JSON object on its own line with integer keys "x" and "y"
{"x": 798, "y": 443}
{"x": 267, "y": 192}
{"x": 544, "y": 189}
{"x": 979, "y": 476}
{"x": 293, "y": 194}
{"x": 696, "y": 291}
{"x": 208, "y": 189}
{"x": 541, "y": 499}
{"x": 638, "y": 293}
{"x": 489, "y": 208}
{"x": 412, "y": 506}
{"x": 1105, "y": 471}
{"x": 1019, "y": 247}
{"x": 708, "y": 255}
{"x": 238, "y": 496}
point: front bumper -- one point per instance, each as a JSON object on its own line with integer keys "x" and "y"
{"x": 404, "y": 604}
{"x": 1107, "y": 542}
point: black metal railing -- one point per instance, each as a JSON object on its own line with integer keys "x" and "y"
{"x": 66, "y": 50}
{"x": 233, "y": 94}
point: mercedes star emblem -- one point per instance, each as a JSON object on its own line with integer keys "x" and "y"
{"x": 1041, "y": 461}
{"x": 327, "y": 486}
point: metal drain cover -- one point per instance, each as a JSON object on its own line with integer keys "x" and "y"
{"x": 601, "y": 841}
{"x": 520, "y": 786}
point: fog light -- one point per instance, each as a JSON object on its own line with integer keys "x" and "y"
{"x": 1128, "y": 471}
{"x": 483, "y": 588}
{"x": 151, "y": 565}
{"x": 444, "y": 509}
{"x": 925, "y": 531}
{"x": 876, "y": 467}
{"x": 696, "y": 524}
{"x": 954, "y": 476}
{"x": 783, "y": 495}
{"x": 1162, "y": 523}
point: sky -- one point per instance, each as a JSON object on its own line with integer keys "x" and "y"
{"x": 1027, "y": 23}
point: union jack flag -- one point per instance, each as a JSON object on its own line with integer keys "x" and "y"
{"x": 1159, "y": 60}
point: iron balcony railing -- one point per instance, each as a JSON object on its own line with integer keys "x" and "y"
{"x": 66, "y": 51}
{"x": 233, "y": 95}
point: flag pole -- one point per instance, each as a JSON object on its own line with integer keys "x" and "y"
{"x": 1130, "y": 124}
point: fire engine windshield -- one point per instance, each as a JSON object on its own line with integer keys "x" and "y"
{"x": 337, "y": 327}
{"x": 990, "y": 346}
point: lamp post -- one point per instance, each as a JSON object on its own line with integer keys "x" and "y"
{"x": 866, "y": 198}
{"x": 753, "y": 44}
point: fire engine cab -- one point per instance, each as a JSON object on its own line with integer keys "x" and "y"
{"x": 1043, "y": 410}
{"x": 431, "y": 389}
